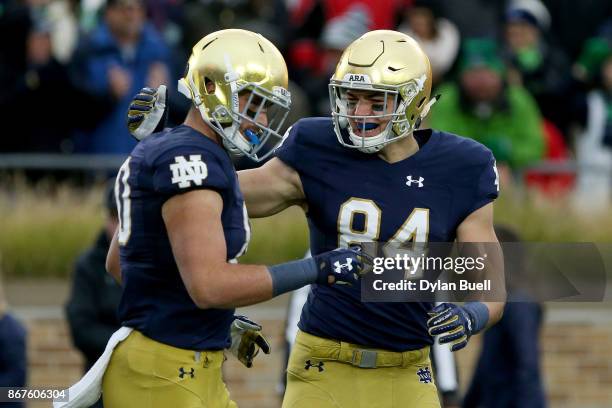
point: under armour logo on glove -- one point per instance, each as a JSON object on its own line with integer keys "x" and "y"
{"x": 309, "y": 364}
{"x": 343, "y": 265}
{"x": 424, "y": 375}
{"x": 182, "y": 372}
{"x": 339, "y": 266}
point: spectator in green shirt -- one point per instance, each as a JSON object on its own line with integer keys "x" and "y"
{"x": 482, "y": 106}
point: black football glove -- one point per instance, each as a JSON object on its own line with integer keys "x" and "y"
{"x": 345, "y": 265}
{"x": 452, "y": 323}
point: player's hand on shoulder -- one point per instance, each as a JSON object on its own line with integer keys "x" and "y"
{"x": 340, "y": 266}
{"x": 247, "y": 340}
{"x": 147, "y": 112}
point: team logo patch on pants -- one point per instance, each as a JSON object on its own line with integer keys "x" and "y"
{"x": 424, "y": 375}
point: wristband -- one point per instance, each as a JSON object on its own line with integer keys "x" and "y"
{"x": 292, "y": 275}
{"x": 479, "y": 314}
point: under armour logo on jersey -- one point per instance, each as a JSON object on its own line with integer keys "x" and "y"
{"x": 309, "y": 364}
{"x": 182, "y": 372}
{"x": 410, "y": 181}
{"x": 339, "y": 266}
{"x": 186, "y": 172}
{"x": 424, "y": 375}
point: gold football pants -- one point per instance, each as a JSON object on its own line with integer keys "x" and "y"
{"x": 144, "y": 373}
{"x": 325, "y": 373}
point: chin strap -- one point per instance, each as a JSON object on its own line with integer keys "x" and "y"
{"x": 233, "y": 140}
{"x": 365, "y": 144}
{"x": 183, "y": 88}
{"x": 427, "y": 107}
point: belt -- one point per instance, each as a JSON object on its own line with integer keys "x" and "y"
{"x": 330, "y": 350}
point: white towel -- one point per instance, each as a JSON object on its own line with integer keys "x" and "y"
{"x": 89, "y": 388}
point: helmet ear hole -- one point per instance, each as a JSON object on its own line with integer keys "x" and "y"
{"x": 210, "y": 86}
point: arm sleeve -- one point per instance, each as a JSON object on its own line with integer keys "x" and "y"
{"x": 183, "y": 169}
{"x": 88, "y": 333}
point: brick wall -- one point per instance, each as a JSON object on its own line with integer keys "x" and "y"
{"x": 576, "y": 364}
{"x": 577, "y": 361}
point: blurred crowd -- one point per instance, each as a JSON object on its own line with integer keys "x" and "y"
{"x": 531, "y": 79}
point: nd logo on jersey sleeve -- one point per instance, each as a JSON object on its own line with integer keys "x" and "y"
{"x": 185, "y": 172}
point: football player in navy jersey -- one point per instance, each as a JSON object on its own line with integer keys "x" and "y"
{"x": 183, "y": 224}
{"x": 369, "y": 174}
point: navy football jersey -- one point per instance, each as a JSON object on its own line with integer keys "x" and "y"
{"x": 155, "y": 300}
{"x": 358, "y": 197}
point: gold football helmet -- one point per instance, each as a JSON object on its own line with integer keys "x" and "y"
{"x": 239, "y": 61}
{"x": 393, "y": 65}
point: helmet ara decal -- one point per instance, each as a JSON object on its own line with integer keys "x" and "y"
{"x": 380, "y": 90}
{"x": 238, "y": 81}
